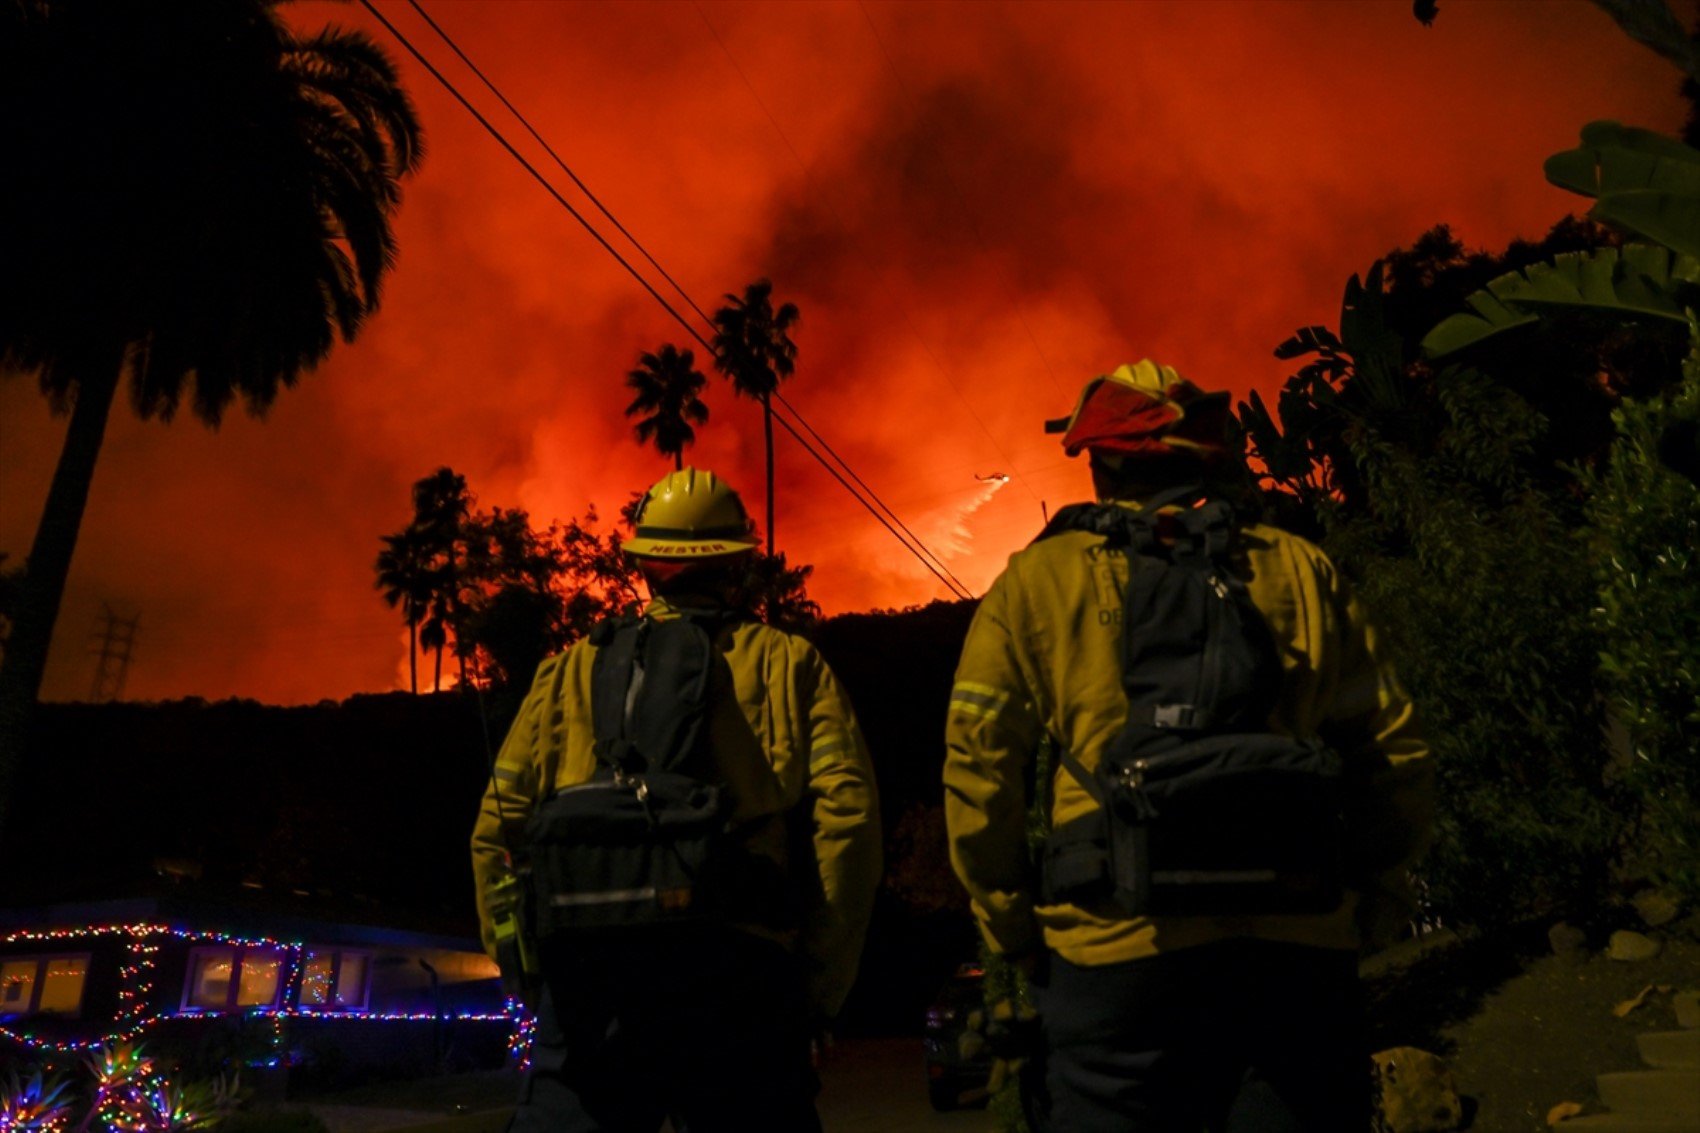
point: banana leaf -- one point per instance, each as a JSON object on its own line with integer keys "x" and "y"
{"x": 1641, "y": 280}
{"x": 1643, "y": 181}
{"x": 1308, "y": 340}
{"x": 1666, "y": 218}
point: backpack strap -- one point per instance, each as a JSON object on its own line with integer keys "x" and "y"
{"x": 1208, "y": 530}
{"x": 1082, "y": 776}
{"x": 1122, "y": 526}
{"x": 649, "y": 690}
{"x": 619, "y": 643}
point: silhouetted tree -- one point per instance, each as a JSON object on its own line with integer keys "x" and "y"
{"x": 1449, "y": 496}
{"x": 667, "y": 385}
{"x": 196, "y": 192}
{"x": 778, "y": 594}
{"x": 10, "y": 579}
{"x": 753, "y": 347}
{"x": 441, "y": 507}
{"x": 406, "y": 579}
{"x": 1641, "y": 519}
{"x": 530, "y": 592}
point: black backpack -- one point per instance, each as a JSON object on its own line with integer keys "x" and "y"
{"x": 644, "y": 843}
{"x": 1203, "y": 810}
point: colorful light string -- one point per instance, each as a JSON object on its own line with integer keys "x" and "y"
{"x": 136, "y": 985}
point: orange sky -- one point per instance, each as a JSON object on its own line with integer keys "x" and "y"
{"x": 977, "y": 206}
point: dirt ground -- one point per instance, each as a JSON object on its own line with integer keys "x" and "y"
{"x": 1524, "y": 1029}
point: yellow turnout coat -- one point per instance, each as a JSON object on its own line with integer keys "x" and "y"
{"x": 788, "y": 749}
{"x": 1042, "y": 657}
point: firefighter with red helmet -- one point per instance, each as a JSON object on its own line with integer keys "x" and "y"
{"x": 1214, "y": 990}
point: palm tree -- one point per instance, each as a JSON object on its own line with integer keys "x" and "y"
{"x": 200, "y": 201}
{"x": 405, "y": 577}
{"x": 753, "y": 347}
{"x": 667, "y": 384}
{"x": 441, "y": 508}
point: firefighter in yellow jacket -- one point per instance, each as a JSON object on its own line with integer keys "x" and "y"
{"x": 1175, "y": 1022}
{"x": 710, "y": 1025}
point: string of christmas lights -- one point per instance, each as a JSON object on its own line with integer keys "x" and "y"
{"x": 137, "y": 978}
{"x": 525, "y": 1030}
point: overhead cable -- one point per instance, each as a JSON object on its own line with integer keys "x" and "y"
{"x": 918, "y": 549}
{"x": 955, "y": 583}
{"x": 548, "y": 149}
{"x": 902, "y": 311}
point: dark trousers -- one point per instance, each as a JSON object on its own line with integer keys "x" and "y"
{"x": 709, "y": 1028}
{"x": 1235, "y": 1036}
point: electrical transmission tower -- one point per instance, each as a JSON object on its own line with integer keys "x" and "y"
{"x": 113, "y": 639}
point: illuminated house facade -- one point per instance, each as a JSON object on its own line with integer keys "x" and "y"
{"x": 301, "y": 993}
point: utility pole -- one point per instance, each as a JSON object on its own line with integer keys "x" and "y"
{"x": 112, "y": 642}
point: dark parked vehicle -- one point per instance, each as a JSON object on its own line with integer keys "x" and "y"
{"x": 959, "y": 1062}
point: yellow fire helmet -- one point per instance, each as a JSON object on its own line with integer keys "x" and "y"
{"x": 691, "y": 514}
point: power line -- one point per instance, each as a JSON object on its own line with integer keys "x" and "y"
{"x": 941, "y": 565}
{"x": 918, "y": 549}
{"x": 529, "y": 168}
{"x": 951, "y": 583}
{"x": 902, "y": 311}
{"x": 548, "y": 149}
{"x": 954, "y": 583}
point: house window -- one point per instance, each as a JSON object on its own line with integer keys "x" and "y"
{"x": 232, "y": 977}
{"x": 42, "y": 985}
{"x": 334, "y": 979}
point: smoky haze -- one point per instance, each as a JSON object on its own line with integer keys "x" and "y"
{"x": 976, "y": 207}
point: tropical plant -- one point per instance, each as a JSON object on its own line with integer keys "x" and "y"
{"x": 130, "y": 1095}
{"x": 529, "y": 592}
{"x": 1640, "y": 281}
{"x": 406, "y": 578}
{"x": 753, "y": 347}
{"x": 422, "y": 568}
{"x": 207, "y": 207}
{"x": 777, "y": 593}
{"x": 33, "y": 1104}
{"x": 1645, "y": 521}
{"x": 10, "y": 578}
{"x": 1435, "y": 492}
{"x": 441, "y": 506}
{"x": 1644, "y": 183}
{"x": 668, "y": 386}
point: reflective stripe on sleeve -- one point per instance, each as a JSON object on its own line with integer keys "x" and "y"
{"x": 978, "y": 700}
{"x": 833, "y": 745}
{"x": 508, "y": 774}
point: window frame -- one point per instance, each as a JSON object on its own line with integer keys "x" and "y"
{"x": 241, "y": 953}
{"x": 39, "y": 984}
{"x": 335, "y": 1006}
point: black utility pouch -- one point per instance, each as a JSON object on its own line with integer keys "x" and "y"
{"x": 1227, "y": 825}
{"x": 1074, "y": 866}
{"x": 627, "y": 854}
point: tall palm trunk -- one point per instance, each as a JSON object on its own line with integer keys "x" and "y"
{"x": 767, "y": 423}
{"x": 43, "y": 585}
{"x": 437, "y": 676}
{"x": 413, "y": 655}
